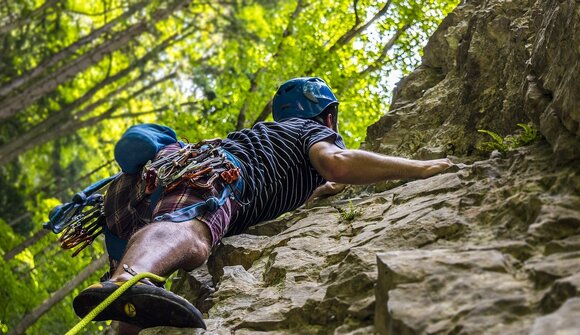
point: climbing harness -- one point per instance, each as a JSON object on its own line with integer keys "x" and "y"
{"x": 200, "y": 166}
{"x": 110, "y": 299}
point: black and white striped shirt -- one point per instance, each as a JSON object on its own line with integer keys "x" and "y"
{"x": 276, "y": 169}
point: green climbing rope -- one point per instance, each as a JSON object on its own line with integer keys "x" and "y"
{"x": 100, "y": 307}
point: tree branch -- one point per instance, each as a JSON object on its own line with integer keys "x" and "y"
{"x": 66, "y": 52}
{"x": 354, "y": 31}
{"x": 342, "y": 41}
{"x": 238, "y": 30}
{"x": 388, "y": 46}
{"x": 153, "y": 111}
{"x": 76, "y": 124}
{"x": 57, "y": 296}
{"x": 28, "y": 139}
{"x": 104, "y": 12}
{"x": 18, "y": 102}
{"x": 266, "y": 110}
{"x": 356, "y": 17}
{"x": 357, "y": 30}
{"x": 28, "y": 18}
{"x": 28, "y": 242}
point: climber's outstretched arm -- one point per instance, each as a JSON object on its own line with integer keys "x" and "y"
{"x": 363, "y": 167}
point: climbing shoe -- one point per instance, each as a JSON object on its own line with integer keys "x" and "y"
{"x": 141, "y": 305}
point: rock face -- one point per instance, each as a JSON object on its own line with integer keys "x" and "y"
{"x": 491, "y": 246}
{"x": 490, "y": 65}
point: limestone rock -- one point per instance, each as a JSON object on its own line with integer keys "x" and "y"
{"x": 562, "y": 290}
{"x": 545, "y": 270}
{"x": 489, "y": 66}
{"x": 457, "y": 254}
{"x": 564, "y": 321}
{"x": 242, "y": 250}
{"x": 434, "y": 291}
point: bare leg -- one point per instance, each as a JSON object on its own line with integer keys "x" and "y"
{"x": 163, "y": 247}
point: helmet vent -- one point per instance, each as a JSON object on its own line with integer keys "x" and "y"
{"x": 289, "y": 88}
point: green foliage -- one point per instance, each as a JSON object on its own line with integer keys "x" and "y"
{"x": 8, "y": 238}
{"x": 349, "y": 214}
{"x": 12, "y": 204}
{"x": 527, "y": 135}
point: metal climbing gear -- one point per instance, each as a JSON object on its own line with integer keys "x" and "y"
{"x": 200, "y": 166}
{"x": 81, "y": 220}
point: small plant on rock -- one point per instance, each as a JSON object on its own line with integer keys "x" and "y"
{"x": 528, "y": 135}
{"x": 350, "y": 214}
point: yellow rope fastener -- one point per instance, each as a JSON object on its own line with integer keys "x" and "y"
{"x": 105, "y": 303}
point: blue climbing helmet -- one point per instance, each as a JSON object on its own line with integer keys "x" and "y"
{"x": 304, "y": 98}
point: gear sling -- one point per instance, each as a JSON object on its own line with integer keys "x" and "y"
{"x": 82, "y": 220}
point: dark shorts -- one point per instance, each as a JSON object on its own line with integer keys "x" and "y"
{"x": 128, "y": 208}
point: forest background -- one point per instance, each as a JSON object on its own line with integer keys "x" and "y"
{"x": 75, "y": 74}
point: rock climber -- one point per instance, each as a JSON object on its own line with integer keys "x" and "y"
{"x": 268, "y": 170}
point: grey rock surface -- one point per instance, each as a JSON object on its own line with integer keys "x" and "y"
{"x": 490, "y": 65}
{"x": 564, "y": 321}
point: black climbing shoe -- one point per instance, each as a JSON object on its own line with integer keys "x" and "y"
{"x": 141, "y": 305}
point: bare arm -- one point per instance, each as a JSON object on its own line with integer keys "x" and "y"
{"x": 363, "y": 167}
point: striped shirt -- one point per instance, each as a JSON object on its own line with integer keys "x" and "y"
{"x": 276, "y": 169}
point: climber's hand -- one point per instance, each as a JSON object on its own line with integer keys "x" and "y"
{"x": 435, "y": 166}
{"x": 330, "y": 188}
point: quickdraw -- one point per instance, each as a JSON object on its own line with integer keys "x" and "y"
{"x": 198, "y": 165}
{"x": 81, "y": 220}
{"x": 230, "y": 176}
{"x": 82, "y": 234}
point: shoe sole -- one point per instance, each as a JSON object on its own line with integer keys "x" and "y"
{"x": 142, "y": 305}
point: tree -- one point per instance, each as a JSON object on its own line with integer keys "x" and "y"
{"x": 57, "y": 296}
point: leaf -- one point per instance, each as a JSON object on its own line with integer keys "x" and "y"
{"x": 496, "y": 137}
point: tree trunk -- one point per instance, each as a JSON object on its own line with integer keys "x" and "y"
{"x": 27, "y": 19}
{"x": 66, "y": 52}
{"x": 388, "y": 46}
{"x": 35, "y": 135}
{"x": 28, "y": 242}
{"x": 254, "y": 81}
{"x": 52, "y": 126}
{"x": 57, "y": 296}
{"x": 40, "y": 88}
